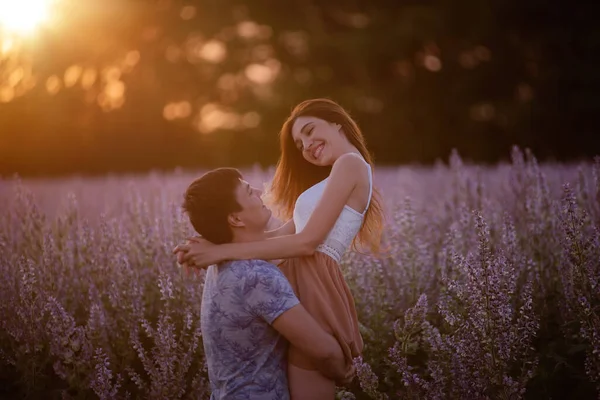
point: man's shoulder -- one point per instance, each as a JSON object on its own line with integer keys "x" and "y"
{"x": 253, "y": 267}
{"x": 239, "y": 272}
{"x": 256, "y": 274}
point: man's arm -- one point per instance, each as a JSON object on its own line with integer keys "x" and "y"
{"x": 302, "y": 331}
{"x": 273, "y": 299}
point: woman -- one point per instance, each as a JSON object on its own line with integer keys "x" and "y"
{"x": 323, "y": 185}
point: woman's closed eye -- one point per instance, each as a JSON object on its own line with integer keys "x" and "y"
{"x": 308, "y": 133}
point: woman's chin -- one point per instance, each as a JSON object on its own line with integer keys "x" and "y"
{"x": 316, "y": 162}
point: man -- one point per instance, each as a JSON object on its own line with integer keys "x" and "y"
{"x": 248, "y": 307}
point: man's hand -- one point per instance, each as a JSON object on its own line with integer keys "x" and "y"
{"x": 349, "y": 377}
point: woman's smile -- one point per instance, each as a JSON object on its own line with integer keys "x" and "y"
{"x": 316, "y": 153}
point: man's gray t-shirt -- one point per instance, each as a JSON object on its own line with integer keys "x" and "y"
{"x": 246, "y": 356}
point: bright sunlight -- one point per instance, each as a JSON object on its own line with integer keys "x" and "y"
{"x": 24, "y": 16}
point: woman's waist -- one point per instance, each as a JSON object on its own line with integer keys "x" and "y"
{"x": 321, "y": 259}
{"x": 335, "y": 247}
{"x": 335, "y": 253}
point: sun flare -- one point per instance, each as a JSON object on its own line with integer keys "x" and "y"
{"x": 24, "y": 16}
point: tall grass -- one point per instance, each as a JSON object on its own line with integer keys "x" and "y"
{"x": 488, "y": 290}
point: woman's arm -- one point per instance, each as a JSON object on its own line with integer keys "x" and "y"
{"x": 343, "y": 179}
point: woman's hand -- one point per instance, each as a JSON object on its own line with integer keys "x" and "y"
{"x": 197, "y": 253}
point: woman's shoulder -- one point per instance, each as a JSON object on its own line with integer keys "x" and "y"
{"x": 349, "y": 165}
{"x": 351, "y": 160}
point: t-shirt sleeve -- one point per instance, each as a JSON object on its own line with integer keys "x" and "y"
{"x": 268, "y": 292}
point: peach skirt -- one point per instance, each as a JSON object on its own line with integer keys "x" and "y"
{"x": 319, "y": 285}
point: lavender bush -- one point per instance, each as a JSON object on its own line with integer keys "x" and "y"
{"x": 487, "y": 287}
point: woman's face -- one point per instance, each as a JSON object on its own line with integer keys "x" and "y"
{"x": 317, "y": 139}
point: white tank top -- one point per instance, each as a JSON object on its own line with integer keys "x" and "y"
{"x": 346, "y": 227}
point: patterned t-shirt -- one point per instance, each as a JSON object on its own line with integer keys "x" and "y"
{"x": 246, "y": 356}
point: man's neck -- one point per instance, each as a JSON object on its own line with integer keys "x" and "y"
{"x": 248, "y": 236}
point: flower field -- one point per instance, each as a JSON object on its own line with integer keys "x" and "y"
{"x": 488, "y": 287}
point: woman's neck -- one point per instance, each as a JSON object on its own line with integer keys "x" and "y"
{"x": 348, "y": 148}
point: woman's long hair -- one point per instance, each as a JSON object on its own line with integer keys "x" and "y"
{"x": 294, "y": 174}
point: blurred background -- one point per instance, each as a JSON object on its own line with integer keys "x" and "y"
{"x": 99, "y": 86}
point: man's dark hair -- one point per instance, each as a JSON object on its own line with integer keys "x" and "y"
{"x": 209, "y": 200}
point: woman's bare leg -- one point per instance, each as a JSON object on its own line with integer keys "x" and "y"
{"x": 308, "y": 384}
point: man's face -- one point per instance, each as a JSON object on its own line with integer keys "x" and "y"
{"x": 254, "y": 214}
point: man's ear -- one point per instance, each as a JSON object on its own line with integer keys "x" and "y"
{"x": 235, "y": 221}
